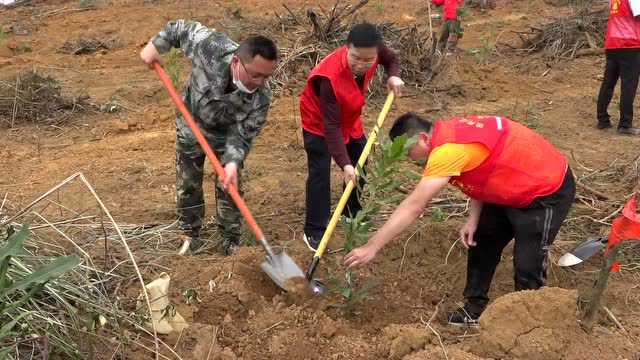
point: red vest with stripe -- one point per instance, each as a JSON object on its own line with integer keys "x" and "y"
{"x": 521, "y": 166}
{"x": 350, "y": 97}
{"x": 623, "y": 29}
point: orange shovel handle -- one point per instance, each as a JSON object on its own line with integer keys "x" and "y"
{"x": 244, "y": 210}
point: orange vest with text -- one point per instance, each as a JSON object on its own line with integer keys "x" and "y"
{"x": 521, "y": 166}
{"x": 623, "y": 29}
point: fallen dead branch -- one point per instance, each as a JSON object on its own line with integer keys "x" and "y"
{"x": 593, "y": 191}
{"x": 589, "y": 52}
{"x": 428, "y": 325}
{"x": 64, "y": 10}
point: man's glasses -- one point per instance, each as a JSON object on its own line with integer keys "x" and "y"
{"x": 256, "y": 78}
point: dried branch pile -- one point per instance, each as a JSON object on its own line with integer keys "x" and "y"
{"x": 567, "y": 37}
{"x": 32, "y": 97}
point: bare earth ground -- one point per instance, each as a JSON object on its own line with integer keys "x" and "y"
{"x": 129, "y": 157}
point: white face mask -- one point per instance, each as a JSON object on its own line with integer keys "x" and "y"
{"x": 239, "y": 83}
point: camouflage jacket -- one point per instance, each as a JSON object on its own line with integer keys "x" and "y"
{"x": 230, "y": 120}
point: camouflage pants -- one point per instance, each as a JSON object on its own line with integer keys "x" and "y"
{"x": 450, "y": 33}
{"x": 190, "y": 161}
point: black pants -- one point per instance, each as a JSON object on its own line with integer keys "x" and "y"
{"x": 623, "y": 64}
{"x": 318, "y": 201}
{"x": 534, "y": 229}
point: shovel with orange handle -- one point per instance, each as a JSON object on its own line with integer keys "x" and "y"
{"x": 278, "y": 266}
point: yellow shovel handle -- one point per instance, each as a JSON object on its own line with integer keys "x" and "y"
{"x": 349, "y": 188}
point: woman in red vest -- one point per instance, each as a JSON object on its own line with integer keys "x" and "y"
{"x": 520, "y": 187}
{"x": 330, "y": 107}
{"x": 622, "y": 45}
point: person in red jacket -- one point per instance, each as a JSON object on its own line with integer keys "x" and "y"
{"x": 330, "y": 108}
{"x": 451, "y": 29}
{"x": 622, "y": 49}
{"x": 520, "y": 187}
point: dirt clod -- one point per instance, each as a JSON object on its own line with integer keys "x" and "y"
{"x": 298, "y": 290}
{"x": 404, "y": 339}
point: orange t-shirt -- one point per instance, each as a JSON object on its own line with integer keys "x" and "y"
{"x": 453, "y": 159}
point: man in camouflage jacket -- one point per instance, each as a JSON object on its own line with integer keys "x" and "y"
{"x": 229, "y": 98}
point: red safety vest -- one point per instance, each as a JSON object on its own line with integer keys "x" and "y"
{"x": 623, "y": 29}
{"x": 521, "y": 166}
{"x": 350, "y": 97}
{"x": 450, "y": 10}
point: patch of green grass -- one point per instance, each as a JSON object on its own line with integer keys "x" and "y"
{"x": 437, "y": 215}
{"x": 248, "y": 239}
{"x": 21, "y": 290}
{"x": 380, "y": 7}
{"x": 531, "y": 116}
{"x": 173, "y": 66}
{"x": 463, "y": 13}
{"x": 23, "y": 47}
{"x": 485, "y": 51}
{"x": 3, "y": 35}
{"x": 87, "y": 4}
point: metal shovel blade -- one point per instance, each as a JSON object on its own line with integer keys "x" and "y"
{"x": 280, "y": 268}
{"x": 582, "y": 252}
{"x": 317, "y": 287}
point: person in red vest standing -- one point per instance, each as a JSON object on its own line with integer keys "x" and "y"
{"x": 622, "y": 49}
{"x": 520, "y": 187}
{"x": 330, "y": 107}
{"x": 451, "y": 30}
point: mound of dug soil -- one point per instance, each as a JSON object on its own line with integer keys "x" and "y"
{"x": 543, "y": 325}
{"x": 244, "y": 315}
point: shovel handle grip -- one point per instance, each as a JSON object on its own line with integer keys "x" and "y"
{"x": 233, "y": 192}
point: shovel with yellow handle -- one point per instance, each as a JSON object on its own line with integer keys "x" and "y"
{"x": 317, "y": 287}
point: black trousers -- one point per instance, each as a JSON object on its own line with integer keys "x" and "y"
{"x": 534, "y": 229}
{"x": 318, "y": 199}
{"x": 623, "y": 64}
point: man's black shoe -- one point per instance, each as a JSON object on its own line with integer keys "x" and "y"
{"x": 629, "y": 131}
{"x": 604, "y": 125}
{"x": 229, "y": 247}
{"x": 463, "y": 317}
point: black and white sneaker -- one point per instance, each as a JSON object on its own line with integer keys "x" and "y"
{"x": 191, "y": 244}
{"x": 311, "y": 242}
{"x": 463, "y": 317}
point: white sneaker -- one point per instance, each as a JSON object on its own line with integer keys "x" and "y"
{"x": 311, "y": 242}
